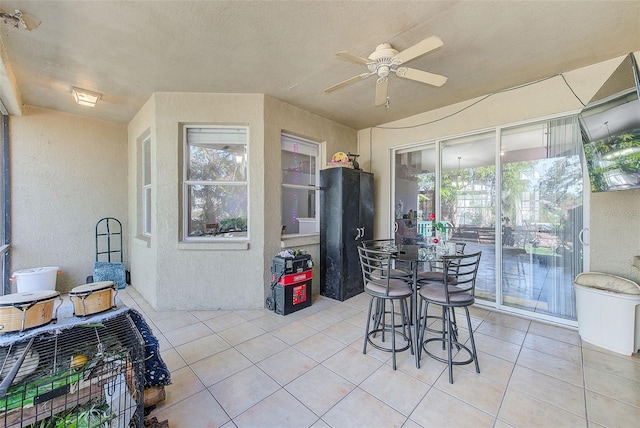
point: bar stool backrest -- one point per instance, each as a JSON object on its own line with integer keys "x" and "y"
{"x": 376, "y": 265}
{"x": 464, "y": 268}
{"x": 378, "y": 243}
{"x": 460, "y": 247}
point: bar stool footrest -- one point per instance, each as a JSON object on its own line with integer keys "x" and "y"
{"x": 373, "y": 333}
{"x": 459, "y": 346}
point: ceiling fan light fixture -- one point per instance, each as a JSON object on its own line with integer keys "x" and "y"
{"x": 383, "y": 71}
{"x": 85, "y": 97}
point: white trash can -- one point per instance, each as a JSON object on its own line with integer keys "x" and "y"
{"x": 33, "y": 279}
{"x": 608, "y": 308}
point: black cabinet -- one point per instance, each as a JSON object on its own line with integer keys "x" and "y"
{"x": 346, "y": 204}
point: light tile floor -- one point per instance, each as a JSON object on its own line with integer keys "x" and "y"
{"x": 254, "y": 368}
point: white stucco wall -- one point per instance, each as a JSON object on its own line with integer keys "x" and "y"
{"x": 537, "y": 100}
{"x": 143, "y": 254}
{"x": 172, "y": 274}
{"x": 614, "y": 234}
{"x": 67, "y": 172}
{"x": 197, "y": 275}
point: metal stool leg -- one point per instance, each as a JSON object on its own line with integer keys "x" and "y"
{"x": 366, "y": 331}
{"x": 474, "y": 354}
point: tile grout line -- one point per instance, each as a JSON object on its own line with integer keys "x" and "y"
{"x": 339, "y": 316}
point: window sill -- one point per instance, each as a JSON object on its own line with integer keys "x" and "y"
{"x": 214, "y": 246}
{"x": 289, "y": 241}
{"x": 143, "y": 241}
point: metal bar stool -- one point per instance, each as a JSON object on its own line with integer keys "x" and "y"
{"x": 383, "y": 289}
{"x": 449, "y": 296}
{"x": 438, "y": 275}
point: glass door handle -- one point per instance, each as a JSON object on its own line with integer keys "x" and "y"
{"x": 581, "y": 236}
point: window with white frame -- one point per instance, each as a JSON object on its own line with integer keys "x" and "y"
{"x": 146, "y": 186}
{"x": 300, "y": 185}
{"x": 215, "y": 182}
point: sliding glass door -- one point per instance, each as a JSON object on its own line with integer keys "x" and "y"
{"x": 415, "y": 193}
{"x": 468, "y": 201}
{"x": 516, "y": 194}
{"x": 541, "y": 217}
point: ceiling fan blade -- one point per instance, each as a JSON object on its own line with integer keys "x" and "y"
{"x": 421, "y": 76}
{"x": 420, "y": 48}
{"x": 354, "y": 79}
{"x": 381, "y": 92}
{"x": 353, "y": 58}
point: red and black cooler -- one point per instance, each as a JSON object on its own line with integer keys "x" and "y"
{"x": 292, "y": 292}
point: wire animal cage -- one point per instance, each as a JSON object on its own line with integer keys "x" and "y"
{"x": 89, "y": 375}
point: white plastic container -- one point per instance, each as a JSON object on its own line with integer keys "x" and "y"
{"x": 307, "y": 225}
{"x": 608, "y": 309}
{"x": 34, "y": 279}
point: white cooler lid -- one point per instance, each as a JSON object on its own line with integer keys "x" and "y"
{"x": 32, "y": 271}
{"x": 607, "y": 281}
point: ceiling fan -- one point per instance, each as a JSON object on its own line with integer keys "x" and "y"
{"x": 385, "y": 60}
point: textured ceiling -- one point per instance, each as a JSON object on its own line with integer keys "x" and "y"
{"x": 129, "y": 50}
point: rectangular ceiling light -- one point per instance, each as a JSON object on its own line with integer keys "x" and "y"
{"x": 86, "y": 98}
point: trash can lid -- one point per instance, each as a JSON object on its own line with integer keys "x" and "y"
{"x": 607, "y": 281}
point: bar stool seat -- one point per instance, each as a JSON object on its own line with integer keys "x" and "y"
{"x": 434, "y": 276}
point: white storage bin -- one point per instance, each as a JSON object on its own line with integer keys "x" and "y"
{"x": 608, "y": 309}
{"x": 40, "y": 278}
{"x": 307, "y": 225}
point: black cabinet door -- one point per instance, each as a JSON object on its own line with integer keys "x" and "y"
{"x": 346, "y": 203}
{"x": 366, "y": 205}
